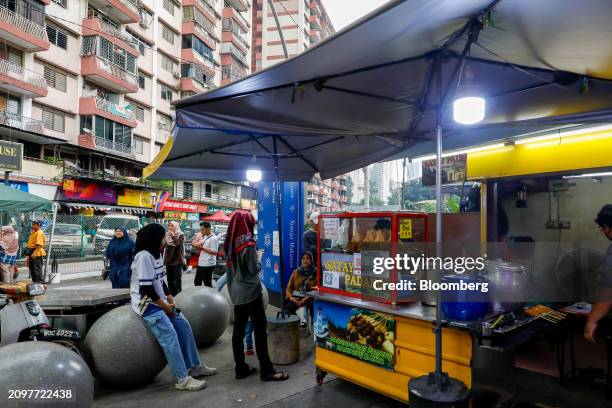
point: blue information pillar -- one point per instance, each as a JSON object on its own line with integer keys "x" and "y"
{"x": 292, "y": 216}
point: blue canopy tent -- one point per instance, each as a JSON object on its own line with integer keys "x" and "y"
{"x": 382, "y": 88}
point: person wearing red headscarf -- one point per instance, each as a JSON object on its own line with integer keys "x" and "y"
{"x": 244, "y": 285}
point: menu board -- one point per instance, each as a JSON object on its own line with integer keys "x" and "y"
{"x": 339, "y": 272}
{"x": 362, "y": 334}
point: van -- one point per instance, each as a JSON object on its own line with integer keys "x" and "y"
{"x": 106, "y": 229}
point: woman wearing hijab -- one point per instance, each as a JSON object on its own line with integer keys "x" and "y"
{"x": 174, "y": 257}
{"x": 302, "y": 280}
{"x": 152, "y": 300}
{"x": 245, "y": 290}
{"x": 9, "y": 248}
{"x": 120, "y": 254}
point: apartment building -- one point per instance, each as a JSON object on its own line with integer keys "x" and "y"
{"x": 327, "y": 195}
{"x": 87, "y": 85}
{"x": 304, "y": 23}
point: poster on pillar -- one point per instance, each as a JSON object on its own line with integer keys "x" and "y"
{"x": 269, "y": 237}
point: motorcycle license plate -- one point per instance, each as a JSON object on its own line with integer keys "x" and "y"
{"x": 60, "y": 333}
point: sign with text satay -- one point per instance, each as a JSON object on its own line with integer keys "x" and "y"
{"x": 11, "y": 156}
{"x": 453, "y": 170}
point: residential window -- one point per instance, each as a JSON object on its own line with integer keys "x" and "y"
{"x": 138, "y": 112}
{"x": 169, "y": 6}
{"x": 10, "y": 104}
{"x": 157, "y": 148}
{"x": 186, "y": 94}
{"x": 53, "y": 119}
{"x": 166, "y": 92}
{"x": 62, "y": 3}
{"x": 168, "y": 64}
{"x": 10, "y": 54}
{"x": 57, "y": 36}
{"x": 187, "y": 190}
{"x": 56, "y": 78}
{"x": 142, "y": 44}
{"x": 145, "y": 17}
{"x": 139, "y": 145}
{"x": 168, "y": 34}
{"x": 141, "y": 81}
{"x": 165, "y": 122}
{"x": 107, "y": 129}
{"x": 192, "y": 42}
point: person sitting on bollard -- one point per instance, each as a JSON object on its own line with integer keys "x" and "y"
{"x": 244, "y": 284}
{"x": 302, "y": 280}
{"x": 120, "y": 254}
{"x": 152, "y": 300}
{"x": 9, "y": 249}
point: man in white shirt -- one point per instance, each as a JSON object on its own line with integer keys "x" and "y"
{"x": 209, "y": 246}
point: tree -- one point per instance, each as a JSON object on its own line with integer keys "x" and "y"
{"x": 349, "y": 188}
{"x": 394, "y": 198}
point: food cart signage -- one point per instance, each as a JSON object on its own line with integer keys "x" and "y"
{"x": 331, "y": 228}
{"x": 405, "y": 228}
{"x": 11, "y": 156}
{"x": 454, "y": 170}
{"x": 359, "y": 333}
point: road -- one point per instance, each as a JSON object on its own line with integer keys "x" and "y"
{"x": 521, "y": 389}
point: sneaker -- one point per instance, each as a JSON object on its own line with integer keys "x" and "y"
{"x": 202, "y": 371}
{"x": 190, "y": 384}
{"x": 249, "y": 352}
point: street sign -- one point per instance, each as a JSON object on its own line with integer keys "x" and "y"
{"x": 11, "y": 156}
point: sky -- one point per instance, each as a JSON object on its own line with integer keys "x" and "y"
{"x": 344, "y": 12}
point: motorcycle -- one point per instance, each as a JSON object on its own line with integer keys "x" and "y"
{"x": 22, "y": 318}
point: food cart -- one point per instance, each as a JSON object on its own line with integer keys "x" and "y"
{"x": 382, "y": 339}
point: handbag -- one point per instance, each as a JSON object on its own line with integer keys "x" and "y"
{"x": 105, "y": 270}
{"x": 28, "y": 251}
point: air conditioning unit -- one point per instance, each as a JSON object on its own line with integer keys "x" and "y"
{"x": 177, "y": 75}
{"x": 143, "y": 23}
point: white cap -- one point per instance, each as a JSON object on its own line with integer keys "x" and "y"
{"x": 314, "y": 217}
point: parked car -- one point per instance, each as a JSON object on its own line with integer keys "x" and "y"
{"x": 69, "y": 240}
{"x": 106, "y": 229}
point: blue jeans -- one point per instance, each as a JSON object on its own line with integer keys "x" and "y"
{"x": 176, "y": 339}
{"x": 249, "y": 335}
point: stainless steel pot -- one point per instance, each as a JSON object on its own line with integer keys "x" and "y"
{"x": 508, "y": 284}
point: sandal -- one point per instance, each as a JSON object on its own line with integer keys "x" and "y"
{"x": 275, "y": 376}
{"x": 250, "y": 371}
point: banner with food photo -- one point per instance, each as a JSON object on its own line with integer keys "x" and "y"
{"x": 359, "y": 333}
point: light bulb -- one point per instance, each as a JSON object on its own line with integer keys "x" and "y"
{"x": 469, "y": 110}
{"x": 253, "y": 175}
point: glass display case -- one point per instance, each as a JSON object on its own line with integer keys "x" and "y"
{"x": 352, "y": 246}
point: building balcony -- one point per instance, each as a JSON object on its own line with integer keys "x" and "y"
{"x": 21, "y": 122}
{"x": 240, "y": 42}
{"x": 189, "y": 55}
{"x": 314, "y": 8}
{"x": 22, "y": 81}
{"x": 108, "y": 75}
{"x": 94, "y": 105}
{"x": 96, "y": 26}
{"x": 99, "y": 143}
{"x": 314, "y": 22}
{"x": 240, "y": 5}
{"x": 22, "y": 32}
{"x": 121, "y": 11}
{"x": 343, "y": 199}
{"x": 231, "y": 49}
{"x": 195, "y": 78}
{"x": 334, "y": 184}
{"x": 192, "y": 27}
{"x": 229, "y": 12}
{"x": 230, "y": 73}
{"x": 204, "y": 8}
{"x": 315, "y": 36}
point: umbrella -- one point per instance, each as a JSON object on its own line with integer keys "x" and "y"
{"x": 218, "y": 216}
{"x": 15, "y": 200}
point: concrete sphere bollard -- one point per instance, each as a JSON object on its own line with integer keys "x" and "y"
{"x": 122, "y": 349}
{"x": 207, "y": 312}
{"x": 225, "y": 293}
{"x": 40, "y": 365}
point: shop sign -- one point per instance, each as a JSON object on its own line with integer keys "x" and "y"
{"x": 454, "y": 170}
{"x": 11, "y": 156}
{"x": 135, "y": 198}
{"x": 213, "y": 209}
{"x": 174, "y": 205}
{"x": 405, "y": 228}
{"x": 362, "y": 334}
{"x": 88, "y": 191}
{"x": 193, "y": 217}
{"x": 203, "y": 208}
{"x": 18, "y": 185}
{"x": 175, "y": 215}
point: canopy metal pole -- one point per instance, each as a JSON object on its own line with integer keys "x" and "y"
{"x": 55, "y": 205}
{"x": 278, "y": 217}
{"x": 438, "y": 243}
